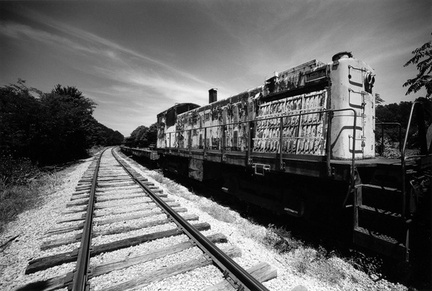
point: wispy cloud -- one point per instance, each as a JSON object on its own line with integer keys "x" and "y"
{"x": 17, "y": 31}
{"x": 142, "y": 82}
{"x": 110, "y": 48}
{"x": 134, "y": 84}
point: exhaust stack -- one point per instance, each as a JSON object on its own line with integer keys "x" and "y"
{"x": 212, "y": 95}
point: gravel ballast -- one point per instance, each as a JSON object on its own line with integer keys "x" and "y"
{"x": 32, "y": 225}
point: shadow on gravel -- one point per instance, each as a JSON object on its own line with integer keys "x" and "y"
{"x": 329, "y": 239}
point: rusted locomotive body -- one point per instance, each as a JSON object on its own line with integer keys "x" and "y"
{"x": 303, "y": 144}
{"x": 297, "y": 123}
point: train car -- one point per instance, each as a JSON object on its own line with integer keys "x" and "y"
{"x": 145, "y": 153}
{"x": 303, "y": 143}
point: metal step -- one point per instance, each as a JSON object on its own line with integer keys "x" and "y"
{"x": 411, "y": 172}
{"x": 380, "y": 243}
{"x": 378, "y": 187}
{"x": 379, "y": 211}
{"x": 381, "y": 197}
{"x": 382, "y": 221}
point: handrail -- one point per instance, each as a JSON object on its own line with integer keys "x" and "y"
{"x": 403, "y": 164}
{"x": 382, "y": 133}
{"x": 403, "y": 168}
{"x": 409, "y": 125}
{"x": 299, "y": 115}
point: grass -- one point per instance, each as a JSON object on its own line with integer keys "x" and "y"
{"x": 318, "y": 262}
{"x": 280, "y": 239}
{"x": 218, "y": 212}
{"x": 21, "y": 188}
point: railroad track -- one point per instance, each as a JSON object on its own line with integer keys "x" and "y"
{"x": 121, "y": 232}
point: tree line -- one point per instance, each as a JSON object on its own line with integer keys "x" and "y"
{"x": 142, "y": 137}
{"x": 400, "y": 113}
{"x": 49, "y": 128}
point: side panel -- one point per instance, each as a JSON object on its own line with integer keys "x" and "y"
{"x": 167, "y": 125}
{"x": 220, "y": 125}
{"x": 303, "y": 130}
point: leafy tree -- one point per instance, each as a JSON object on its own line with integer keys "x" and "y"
{"x": 423, "y": 60}
{"x": 67, "y": 124}
{"x": 152, "y": 134}
{"x": 116, "y": 138}
{"x": 400, "y": 113}
{"x": 378, "y": 99}
{"x": 135, "y": 138}
{"x": 19, "y": 129}
{"x": 142, "y": 136}
{"x": 102, "y": 135}
{"x": 19, "y": 120}
{"x": 394, "y": 112}
{"x": 67, "y": 91}
{"x": 46, "y": 128}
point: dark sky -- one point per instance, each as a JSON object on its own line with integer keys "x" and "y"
{"x": 137, "y": 58}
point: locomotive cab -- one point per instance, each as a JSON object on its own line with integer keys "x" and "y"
{"x": 166, "y": 123}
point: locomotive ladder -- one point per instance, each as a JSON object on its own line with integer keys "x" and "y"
{"x": 378, "y": 225}
{"x": 382, "y": 217}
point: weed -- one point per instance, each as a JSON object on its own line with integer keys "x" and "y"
{"x": 16, "y": 171}
{"x": 367, "y": 264}
{"x": 219, "y": 213}
{"x": 327, "y": 270}
{"x": 354, "y": 279}
{"x": 304, "y": 257}
{"x": 280, "y": 239}
{"x": 23, "y": 193}
{"x": 319, "y": 262}
{"x": 159, "y": 178}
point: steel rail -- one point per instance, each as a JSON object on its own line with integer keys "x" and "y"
{"x": 242, "y": 279}
{"x": 80, "y": 276}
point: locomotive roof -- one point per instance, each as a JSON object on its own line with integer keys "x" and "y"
{"x": 310, "y": 65}
{"x": 180, "y": 105}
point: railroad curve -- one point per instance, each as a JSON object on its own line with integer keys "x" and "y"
{"x": 121, "y": 232}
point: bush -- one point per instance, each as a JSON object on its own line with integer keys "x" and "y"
{"x": 319, "y": 262}
{"x": 16, "y": 171}
{"x": 21, "y": 183}
{"x": 280, "y": 239}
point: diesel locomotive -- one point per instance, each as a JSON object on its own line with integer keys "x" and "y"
{"x": 303, "y": 143}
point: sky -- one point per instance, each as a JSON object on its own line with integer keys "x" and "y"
{"x": 136, "y": 58}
